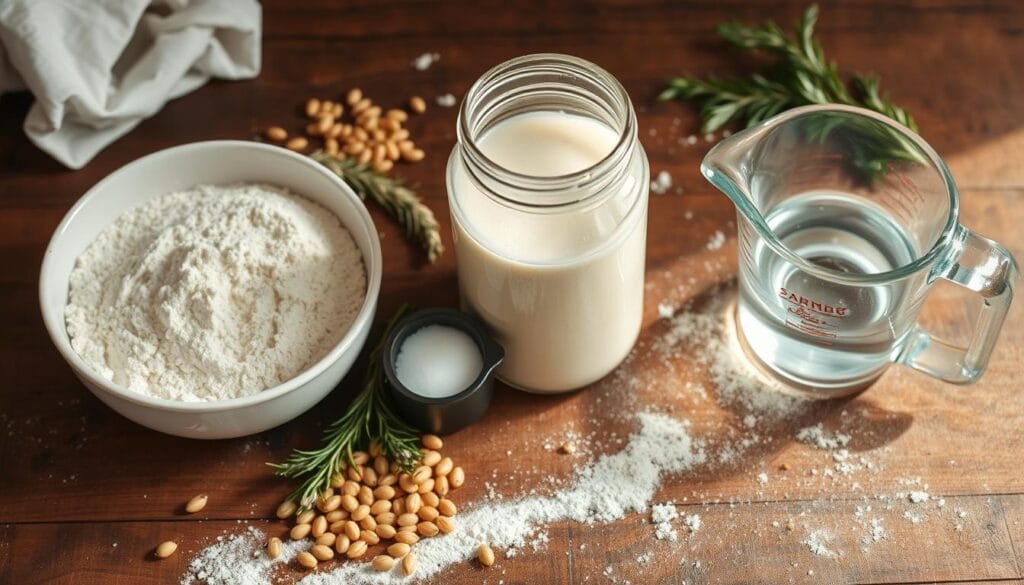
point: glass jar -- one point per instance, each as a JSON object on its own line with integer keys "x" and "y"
{"x": 548, "y": 188}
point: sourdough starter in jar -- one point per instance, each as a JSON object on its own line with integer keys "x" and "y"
{"x": 549, "y": 213}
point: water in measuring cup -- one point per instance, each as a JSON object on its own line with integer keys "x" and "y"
{"x": 812, "y": 331}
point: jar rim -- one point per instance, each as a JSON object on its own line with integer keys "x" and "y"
{"x": 540, "y": 192}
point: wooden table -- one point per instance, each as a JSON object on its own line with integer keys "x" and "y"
{"x": 86, "y": 494}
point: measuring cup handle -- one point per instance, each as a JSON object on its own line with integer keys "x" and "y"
{"x": 987, "y": 268}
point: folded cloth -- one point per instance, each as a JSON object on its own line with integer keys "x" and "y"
{"x": 99, "y": 67}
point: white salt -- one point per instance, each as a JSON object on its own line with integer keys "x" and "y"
{"x": 438, "y": 361}
{"x": 446, "y": 101}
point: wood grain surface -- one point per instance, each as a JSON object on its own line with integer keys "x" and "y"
{"x": 85, "y": 495}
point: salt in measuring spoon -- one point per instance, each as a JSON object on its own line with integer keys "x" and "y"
{"x": 439, "y": 364}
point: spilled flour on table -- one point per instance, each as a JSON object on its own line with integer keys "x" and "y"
{"x": 734, "y": 382}
{"x": 662, "y": 516}
{"x": 662, "y": 183}
{"x": 816, "y": 436}
{"x": 424, "y": 61}
{"x": 626, "y": 479}
{"x": 239, "y": 559}
{"x": 818, "y": 542}
{"x": 692, "y": 522}
{"x": 605, "y": 490}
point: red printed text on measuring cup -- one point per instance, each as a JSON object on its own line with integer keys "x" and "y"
{"x": 811, "y": 316}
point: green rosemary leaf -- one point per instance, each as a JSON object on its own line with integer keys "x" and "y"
{"x": 368, "y": 417}
{"x": 800, "y": 75}
{"x": 867, "y": 87}
{"x": 727, "y": 101}
{"x": 398, "y": 200}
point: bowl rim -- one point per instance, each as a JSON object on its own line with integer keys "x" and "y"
{"x": 372, "y": 264}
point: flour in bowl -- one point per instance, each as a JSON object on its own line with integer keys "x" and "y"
{"x": 214, "y": 292}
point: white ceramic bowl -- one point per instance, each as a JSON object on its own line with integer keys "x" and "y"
{"x": 181, "y": 167}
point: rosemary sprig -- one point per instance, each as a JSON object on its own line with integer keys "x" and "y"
{"x": 397, "y": 199}
{"x": 368, "y": 417}
{"x": 800, "y": 76}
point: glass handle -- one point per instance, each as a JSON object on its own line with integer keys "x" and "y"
{"x": 987, "y": 268}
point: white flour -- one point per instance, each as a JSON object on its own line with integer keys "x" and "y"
{"x": 611, "y": 487}
{"x": 605, "y": 490}
{"x": 214, "y": 292}
{"x": 817, "y": 436}
{"x": 735, "y": 382}
{"x": 239, "y": 559}
{"x": 692, "y": 522}
{"x": 817, "y": 542}
{"x": 662, "y": 516}
{"x": 918, "y": 497}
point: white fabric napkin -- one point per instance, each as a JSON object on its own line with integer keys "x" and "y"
{"x": 99, "y": 67}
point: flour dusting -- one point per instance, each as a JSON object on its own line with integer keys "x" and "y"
{"x": 818, "y": 542}
{"x": 238, "y": 559}
{"x": 801, "y": 456}
{"x": 605, "y": 490}
{"x": 662, "y": 516}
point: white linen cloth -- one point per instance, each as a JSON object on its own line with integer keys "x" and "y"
{"x": 99, "y": 67}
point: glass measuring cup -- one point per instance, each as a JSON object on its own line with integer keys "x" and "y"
{"x": 845, "y": 220}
